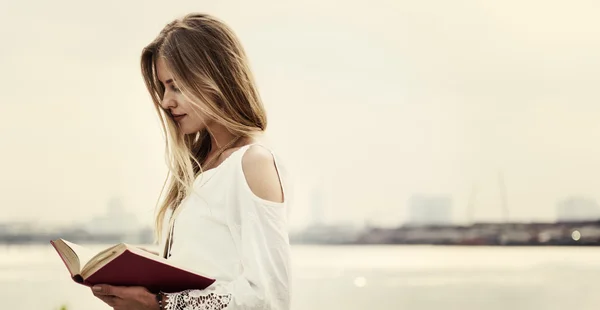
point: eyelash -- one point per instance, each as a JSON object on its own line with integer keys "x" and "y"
{"x": 175, "y": 89}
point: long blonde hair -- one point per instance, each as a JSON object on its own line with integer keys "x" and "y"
{"x": 210, "y": 66}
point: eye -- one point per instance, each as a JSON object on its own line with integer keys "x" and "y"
{"x": 174, "y": 88}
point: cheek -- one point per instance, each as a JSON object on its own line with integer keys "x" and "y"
{"x": 194, "y": 123}
{"x": 196, "y": 119}
{"x": 183, "y": 104}
{"x": 193, "y": 110}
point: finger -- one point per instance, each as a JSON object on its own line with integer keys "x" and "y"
{"x": 105, "y": 289}
{"x": 102, "y": 295}
{"x": 108, "y": 299}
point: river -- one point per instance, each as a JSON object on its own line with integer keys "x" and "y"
{"x": 365, "y": 277}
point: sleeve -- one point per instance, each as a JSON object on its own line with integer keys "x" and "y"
{"x": 259, "y": 229}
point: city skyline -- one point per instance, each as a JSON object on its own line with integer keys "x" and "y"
{"x": 421, "y": 210}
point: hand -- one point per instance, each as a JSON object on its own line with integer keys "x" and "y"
{"x": 126, "y": 297}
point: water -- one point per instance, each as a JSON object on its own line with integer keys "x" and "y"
{"x": 365, "y": 277}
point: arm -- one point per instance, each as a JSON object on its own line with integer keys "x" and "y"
{"x": 259, "y": 218}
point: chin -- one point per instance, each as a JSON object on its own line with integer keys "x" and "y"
{"x": 193, "y": 125}
{"x": 188, "y": 130}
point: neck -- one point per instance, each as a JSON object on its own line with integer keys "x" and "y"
{"x": 219, "y": 137}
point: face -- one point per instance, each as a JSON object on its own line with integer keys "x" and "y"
{"x": 185, "y": 113}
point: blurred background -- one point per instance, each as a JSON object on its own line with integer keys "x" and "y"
{"x": 445, "y": 153}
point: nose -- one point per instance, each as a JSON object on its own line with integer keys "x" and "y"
{"x": 168, "y": 102}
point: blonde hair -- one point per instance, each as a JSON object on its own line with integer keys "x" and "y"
{"x": 209, "y": 65}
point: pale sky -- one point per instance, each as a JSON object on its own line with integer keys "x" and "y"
{"x": 373, "y": 101}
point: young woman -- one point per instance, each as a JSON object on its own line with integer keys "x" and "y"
{"x": 224, "y": 207}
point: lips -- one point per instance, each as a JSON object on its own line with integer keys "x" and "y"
{"x": 178, "y": 117}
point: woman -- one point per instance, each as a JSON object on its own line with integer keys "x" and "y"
{"x": 224, "y": 211}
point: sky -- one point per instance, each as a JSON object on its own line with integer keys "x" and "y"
{"x": 369, "y": 102}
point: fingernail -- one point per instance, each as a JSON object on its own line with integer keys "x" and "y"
{"x": 96, "y": 288}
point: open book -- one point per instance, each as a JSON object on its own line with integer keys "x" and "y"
{"x": 126, "y": 265}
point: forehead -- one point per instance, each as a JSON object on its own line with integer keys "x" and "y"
{"x": 162, "y": 71}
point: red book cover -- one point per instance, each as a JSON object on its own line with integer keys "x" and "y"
{"x": 132, "y": 269}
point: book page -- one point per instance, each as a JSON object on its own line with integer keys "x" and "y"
{"x": 85, "y": 255}
{"x": 68, "y": 256}
{"x": 100, "y": 259}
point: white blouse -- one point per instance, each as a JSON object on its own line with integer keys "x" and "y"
{"x": 226, "y": 232}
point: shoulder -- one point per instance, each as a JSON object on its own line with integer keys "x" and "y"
{"x": 261, "y": 173}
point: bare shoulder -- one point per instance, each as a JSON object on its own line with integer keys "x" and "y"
{"x": 261, "y": 173}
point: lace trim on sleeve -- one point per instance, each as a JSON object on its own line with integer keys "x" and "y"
{"x": 196, "y": 300}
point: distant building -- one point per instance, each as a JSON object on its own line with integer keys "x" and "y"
{"x": 576, "y": 208}
{"x": 116, "y": 220}
{"x": 430, "y": 210}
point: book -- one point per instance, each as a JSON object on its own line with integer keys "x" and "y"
{"x": 126, "y": 265}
